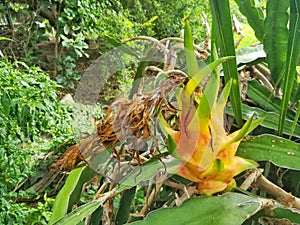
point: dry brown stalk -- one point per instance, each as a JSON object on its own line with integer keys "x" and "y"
{"x": 262, "y": 183}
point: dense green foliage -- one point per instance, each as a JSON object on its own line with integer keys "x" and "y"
{"x": 75, "y": 23}
{"x": 32, "y": 122}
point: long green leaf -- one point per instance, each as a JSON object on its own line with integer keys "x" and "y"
{"x": 264, "y": 97}
{"x": 198, "y": 77}
{"x": 293, "y": 53}
{"x": 124, "y": 209}
{"x": 96, "y": 216}
{"x": 206, "y": 210}
{"x": 144, "y": 62}
{"x": 270, "y": 121}
{"x": 137, "y": 78}
{"x": 295, "y": 123}
{"x": 146, "y": 172}
{"x": 79, "y": 214}
{"x": 190, "y": 55}
{"x": 276, "y": 36}
{"x": 222, "y": 22}
{"x": 254, "y": 15}
{"x": 70, "y": 193}
{"x": 280, "y": 151}
{"x": 246, "y": 129}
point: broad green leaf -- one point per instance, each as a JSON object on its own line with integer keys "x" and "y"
{"x": 287, "y": 213}
{"x": 79, "y": 214}
{"x": 280, "y": 151}
{"x": 206, "y": 210}
{"x": 148, "y": 171}
{"x": 276, "y": 36}
{"x": 264, "y": 97}
{"x": 270, "y": 121}
{"x": 254, "y": 15}
{"x": 222, "y": 22}
{"x": 190, "y": 55}
{"x": 70, "y": 193}
{"x": 293, "y": 53}
{"x": 250, "y": 55}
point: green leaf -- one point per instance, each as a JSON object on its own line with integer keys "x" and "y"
{"x": 147, "y": 171}
{"x": 140, "y": 71}
{"x": 276, "y": 36}
{"x": 67, "y": 29}
{"x": 137, "y": 78}
{"x": 270, "y": 121}
{"x": 295, "y": 123}
{"x": 172, "y": 147}
{"x": 204, "y": 109}
{"x": 280, "y": 151}
{"x": 70, "y": 193}
{"x": 190, "y": 55}
{"x": 222, "y": 22}
{"x": 246, "y": 129}
{"x": 293, "y": 53}
{"x": 264, "y": 97}
{"x": 287, "y": 213}
{"x": 254, "y": 15}
{"x": 250, "y": 55}
{"x": 206, "y": 210}
{"x": 198, "y": 77}
{"x": 5, "y": 39}
{"x": 96, "y": 216}
{"x": 124, "y": 209}
{"x": 78, "y": 214}
{"x": 212, "y": 87}
{"x": 225, "y": 93}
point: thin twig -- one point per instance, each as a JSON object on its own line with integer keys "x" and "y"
{"x": 154, "y": 68}
{"x": 257, "y": 74}
{"x": 179, "y": 72}
{"x": 175, "y": 185}
{"x": 150, "y": 199}
{"x": 200, "y": 49}
{"x": 159, "y": 44}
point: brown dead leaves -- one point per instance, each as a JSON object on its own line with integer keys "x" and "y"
{"x": 130, "y": 122}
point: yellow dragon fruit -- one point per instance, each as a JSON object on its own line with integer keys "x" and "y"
{"x": 206, "y": 152}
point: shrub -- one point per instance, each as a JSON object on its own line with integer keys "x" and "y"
{"x": 32, "y": 122}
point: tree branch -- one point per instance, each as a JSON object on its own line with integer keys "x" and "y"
{"x": 258, "y": 180}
